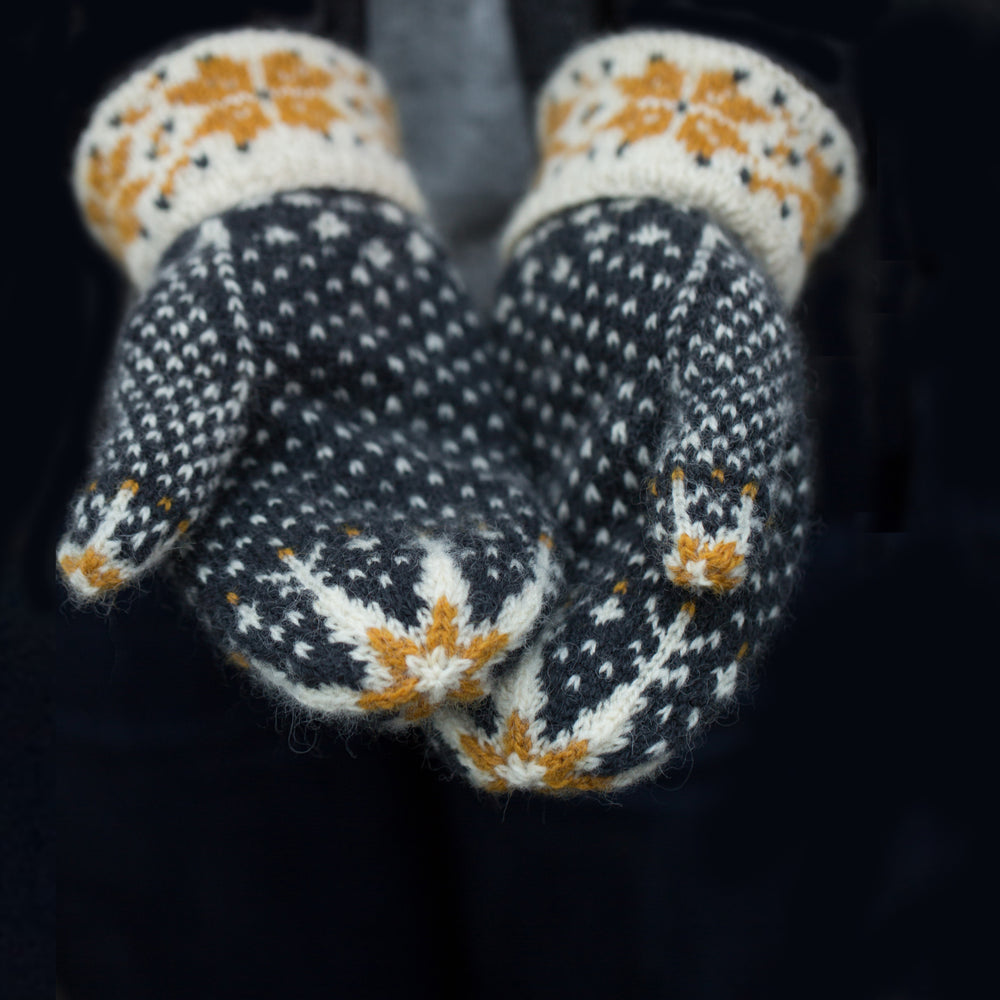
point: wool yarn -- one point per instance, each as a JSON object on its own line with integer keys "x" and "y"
{"x": 302, "y": 401}
{"x": 703, "y": 123}
{"x": 659, "y": 387}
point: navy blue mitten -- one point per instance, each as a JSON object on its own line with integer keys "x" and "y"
{"x": 303, "y": 416}
{"x": 685, "y": 184}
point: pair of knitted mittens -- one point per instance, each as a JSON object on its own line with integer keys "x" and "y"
{"x": 558, "y": 542}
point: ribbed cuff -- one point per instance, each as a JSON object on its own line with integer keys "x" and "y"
{"x": 229, "y": 117}
{"x": 701, "y": 123}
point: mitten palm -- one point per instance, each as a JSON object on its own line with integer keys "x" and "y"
{"x": 376, "y": 546}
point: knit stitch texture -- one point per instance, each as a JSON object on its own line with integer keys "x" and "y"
{"x": 377, "y": 546}
{"x": 372, "y": 543}
{"x": 685, "y": 183}
{"x": 223, "y": 119}
{"x": 302, "y": 403}
{"x": 659, "y": 390}
{"x": 227, "y": 117}
{"x": 701, "y": 123}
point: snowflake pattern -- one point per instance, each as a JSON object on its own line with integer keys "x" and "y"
{"x": 659, "y": 390}
{"x": 307, "y": 402}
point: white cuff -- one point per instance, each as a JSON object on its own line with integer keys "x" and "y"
{"x": 703, "y": 124}
{"x": 232, "y": 116}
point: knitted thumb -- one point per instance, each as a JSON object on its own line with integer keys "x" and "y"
{"x": 223, "y": 120}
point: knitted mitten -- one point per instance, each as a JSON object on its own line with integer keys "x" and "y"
{"x": 685, "y": 184}
{"x": 302, "y": 391}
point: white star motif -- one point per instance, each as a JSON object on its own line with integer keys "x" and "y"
{"x": 600, "y": 233}
{"x": 648, "y": 235}
{"x": 377, "y": 253}
{"x": 587, "y": 214}
{"x": 420, "y": 249}
{"x": 563, "y": 268}
{"x": 278, "y": 234}
{"x": 329, "y": 226}
{"x": 213, "y": 232}
{"x": 609, "y": 611}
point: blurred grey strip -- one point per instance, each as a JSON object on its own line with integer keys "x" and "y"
{"x": 453, "y": 71}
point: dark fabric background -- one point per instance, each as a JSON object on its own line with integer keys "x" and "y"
{"x": 822, "y": 844}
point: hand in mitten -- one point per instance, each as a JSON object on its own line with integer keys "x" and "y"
{"x": 685, "y": 184}
{"x": 302, "y": 391}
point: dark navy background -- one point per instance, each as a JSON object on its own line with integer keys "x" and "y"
{"x": 820, "y": 845}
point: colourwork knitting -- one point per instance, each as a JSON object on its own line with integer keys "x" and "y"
{"x": 237, "y": 115}
{"x": 302, "y": 399}
{"x": 701, "y": 123}
{"x": 376, "y": 546}
{"x": 659, "y": 389}
{"x": 225, "y": 118}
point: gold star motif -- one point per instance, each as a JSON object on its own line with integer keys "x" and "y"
{"x": 560, "y": 766}
{"x": 722, "y": 564}
{"x": 95, "y": 569}
{"x": 441, "y": 640}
